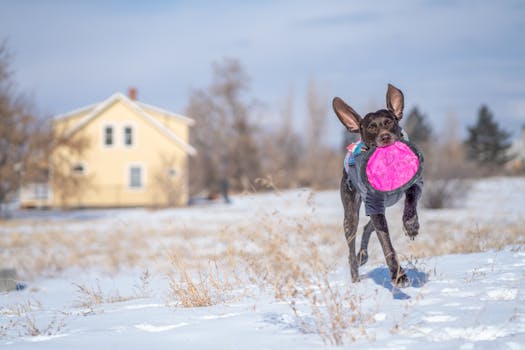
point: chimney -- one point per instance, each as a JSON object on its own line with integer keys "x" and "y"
{"x": 132, "y": 93}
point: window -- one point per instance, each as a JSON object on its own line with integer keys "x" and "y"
{"x": 41, "y": 191}
{"x": 128, "y": 136}
{"x": 108, "y": 136}
{"x": 135, "y": 177}
{"x": 78, "y": 169}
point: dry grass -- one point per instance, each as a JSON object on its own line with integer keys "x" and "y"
{"x": 334, "y": 312}
{"x": 203, "y": 287}
{"x": 50, "y": 251}
{"x": 143, "y": 289}
{"x": 91, "y": 297}
{"x": 22, "y": 321}
{"x": 474, "y": 239}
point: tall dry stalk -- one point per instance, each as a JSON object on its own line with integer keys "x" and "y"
{"x": 200, "y": 287}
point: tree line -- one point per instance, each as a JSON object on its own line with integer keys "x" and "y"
{"x": 236, "y": 148}
{"x": 487, "y": 145}
{"x": 233, "y": 146}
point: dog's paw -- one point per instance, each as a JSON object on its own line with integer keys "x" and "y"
{"x": 411, "y": 227}
{"x": 401, "y": 280}
{"x": 354, "y": 272}
{"x": 362, "y": 257}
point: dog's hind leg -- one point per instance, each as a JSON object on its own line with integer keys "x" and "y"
{"x": 351, "y": 203}
{"x": 396, "y": 272}
{"x": 362, "y": 256}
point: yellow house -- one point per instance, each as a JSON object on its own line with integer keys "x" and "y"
{"x": 120, "y": 153}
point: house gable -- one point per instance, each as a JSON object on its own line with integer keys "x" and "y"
{"x": 83, "y": 117}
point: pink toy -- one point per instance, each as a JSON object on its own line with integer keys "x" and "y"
{"x": 392, "y": 168}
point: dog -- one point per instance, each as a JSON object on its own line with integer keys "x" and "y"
{"x": 377, "y": 129}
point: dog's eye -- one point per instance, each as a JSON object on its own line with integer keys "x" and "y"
{"x": 372, "y": 127}
{"x": 388, "y": 123}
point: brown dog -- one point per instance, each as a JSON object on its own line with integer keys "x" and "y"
{"x": 377, "y": 129}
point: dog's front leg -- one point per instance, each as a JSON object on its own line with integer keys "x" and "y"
{"x": 396, "y": 272}
{"x": 351, "y": 203}
{"x": 410, "y": 219}
{"x": 362, "y": 256}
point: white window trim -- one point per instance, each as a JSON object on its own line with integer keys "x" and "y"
{"x": 103, "y": 133}
{"x": 143, "y": 174}
{"x": 133, "y": 127}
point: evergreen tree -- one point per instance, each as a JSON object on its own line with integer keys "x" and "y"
{"x": 487, "y": 144}
{"x": 416, "y": 127}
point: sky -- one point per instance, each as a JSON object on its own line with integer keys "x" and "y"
{"x": 448, "y": 57}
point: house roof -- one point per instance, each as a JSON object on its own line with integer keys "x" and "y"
{"x": 96, "y": 109}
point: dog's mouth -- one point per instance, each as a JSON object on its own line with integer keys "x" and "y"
{"x": 385, "y": 139}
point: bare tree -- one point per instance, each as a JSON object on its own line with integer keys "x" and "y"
{"x": 225, "y": 133}
{"x": 204, "y": 168}
{"x": 317, "y": 114}
{"x": 28, "y": 141}
{"x": 318, "y": 169}
{"x": 20, "y": 141}
{"x": 445, "y": 168}
{"x": 282, "y": 151}
{"x": 231, "y": 146}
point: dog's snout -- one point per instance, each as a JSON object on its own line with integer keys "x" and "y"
{"x": 385, "y": 139}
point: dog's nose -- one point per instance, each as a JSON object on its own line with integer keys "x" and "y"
{"x": 385, "y": 137}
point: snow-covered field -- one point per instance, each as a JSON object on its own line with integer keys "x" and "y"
{"x": 270, "y": 271}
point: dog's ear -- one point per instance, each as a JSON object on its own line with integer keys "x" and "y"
{"x": 395, "y": 101}
{"x": 348, "y": 117}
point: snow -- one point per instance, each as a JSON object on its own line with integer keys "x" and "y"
{"x": 455, "y": 301}
{"x": 449, "y": 310}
